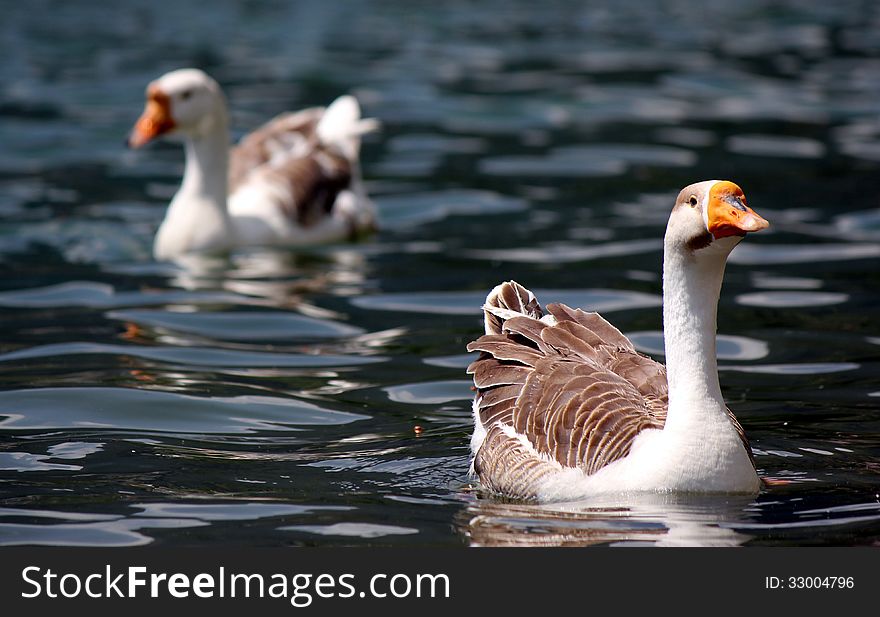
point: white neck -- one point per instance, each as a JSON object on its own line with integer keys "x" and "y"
{"x": 197, "y": 218}
{"x": 207, "y": 165}
{"x": 691, "y": 288}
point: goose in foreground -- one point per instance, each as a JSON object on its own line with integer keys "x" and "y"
{"x": 295, "y": 181}
{"x": 566, "y": 408}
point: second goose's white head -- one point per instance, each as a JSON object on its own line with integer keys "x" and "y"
{"x": 186, "y": 102}
{"x": 711, "y": 217}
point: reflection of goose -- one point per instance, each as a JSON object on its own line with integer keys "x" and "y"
{"x": 274, "y": 277}
{"x": 295, "y": 181}
{"x": 567, "y": 408}
{"x": 661, "y": 519}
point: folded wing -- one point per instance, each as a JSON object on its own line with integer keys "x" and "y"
{"x": 559, "y": 390}
{"x": 302, "y": 161}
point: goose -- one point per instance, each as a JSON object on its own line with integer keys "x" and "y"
{"x": 293, "y": 182}
{"x": 566, "y": 408}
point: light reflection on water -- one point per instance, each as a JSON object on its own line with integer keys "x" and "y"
{"x": 319, "y": 396}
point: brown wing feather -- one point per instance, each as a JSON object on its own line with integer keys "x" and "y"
{"x": 286, "y": 132}
{"x": 286, "y": 154}
{"x": 507, "y": 467}
{"x": 579, "y": 414}
{"x": 503, "y": 347}
{"x": 601, "y": 332}
{"x": 509, "y": 296}
{"x": 313, "y": 183}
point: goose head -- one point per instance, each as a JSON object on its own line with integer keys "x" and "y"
{"x": 184, "y": 102}
{"x": 710, "y": 218}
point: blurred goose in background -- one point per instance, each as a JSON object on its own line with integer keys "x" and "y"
{"x": 567, "y": 408}
{"x": 295, "y": 181}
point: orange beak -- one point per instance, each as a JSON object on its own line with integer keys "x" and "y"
{"x": 155, "y": 120}
{"x": 728, "y": 213}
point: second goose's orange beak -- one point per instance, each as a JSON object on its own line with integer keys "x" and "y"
{"x": 155, "y": 120}
{"x": 728, "y": 214}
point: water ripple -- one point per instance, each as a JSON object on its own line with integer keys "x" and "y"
{"x": 456, "y": 361}
{"x": 357, "y": 530}
{"x": 469, "y": 302}
{"x": 767, "y": 281}
{"x": 71, "y": 450}
{"x": 148, "y": 410}
{"x": 729, "y": 347}
{"x": 756, "y": 254}
{"x": 197, "y": 356}
{"x": 100, "y": 295}
{"x": 123, "y": 532}
{"x": 566, "y": 253}
{"x": 776, "y": 145}
{"x": 780, "y": 299}
{"x": 430, "y": 393}
{"x": 588, "y": 160}
{"x": 411, "y": 209}
{"x": 25, "y": 461}
{"x": 807, "y": 368}
{"x": 229, "y": 511}
{"x": 241, "y": 325}
{"x": 817, "y": 523}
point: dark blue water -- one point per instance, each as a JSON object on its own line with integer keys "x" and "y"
{"x": 320, "y": 398}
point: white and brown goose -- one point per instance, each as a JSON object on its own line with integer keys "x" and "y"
{"x": 567, "y": 408}
{"x": 293, "y": 182}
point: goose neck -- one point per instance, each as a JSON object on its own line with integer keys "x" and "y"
{"x": 691, "y": 289}
{"x": 207, "y": 166}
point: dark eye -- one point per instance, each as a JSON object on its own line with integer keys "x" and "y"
{"x": 693, "y": 201}
{"x": 186, "y": 94}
